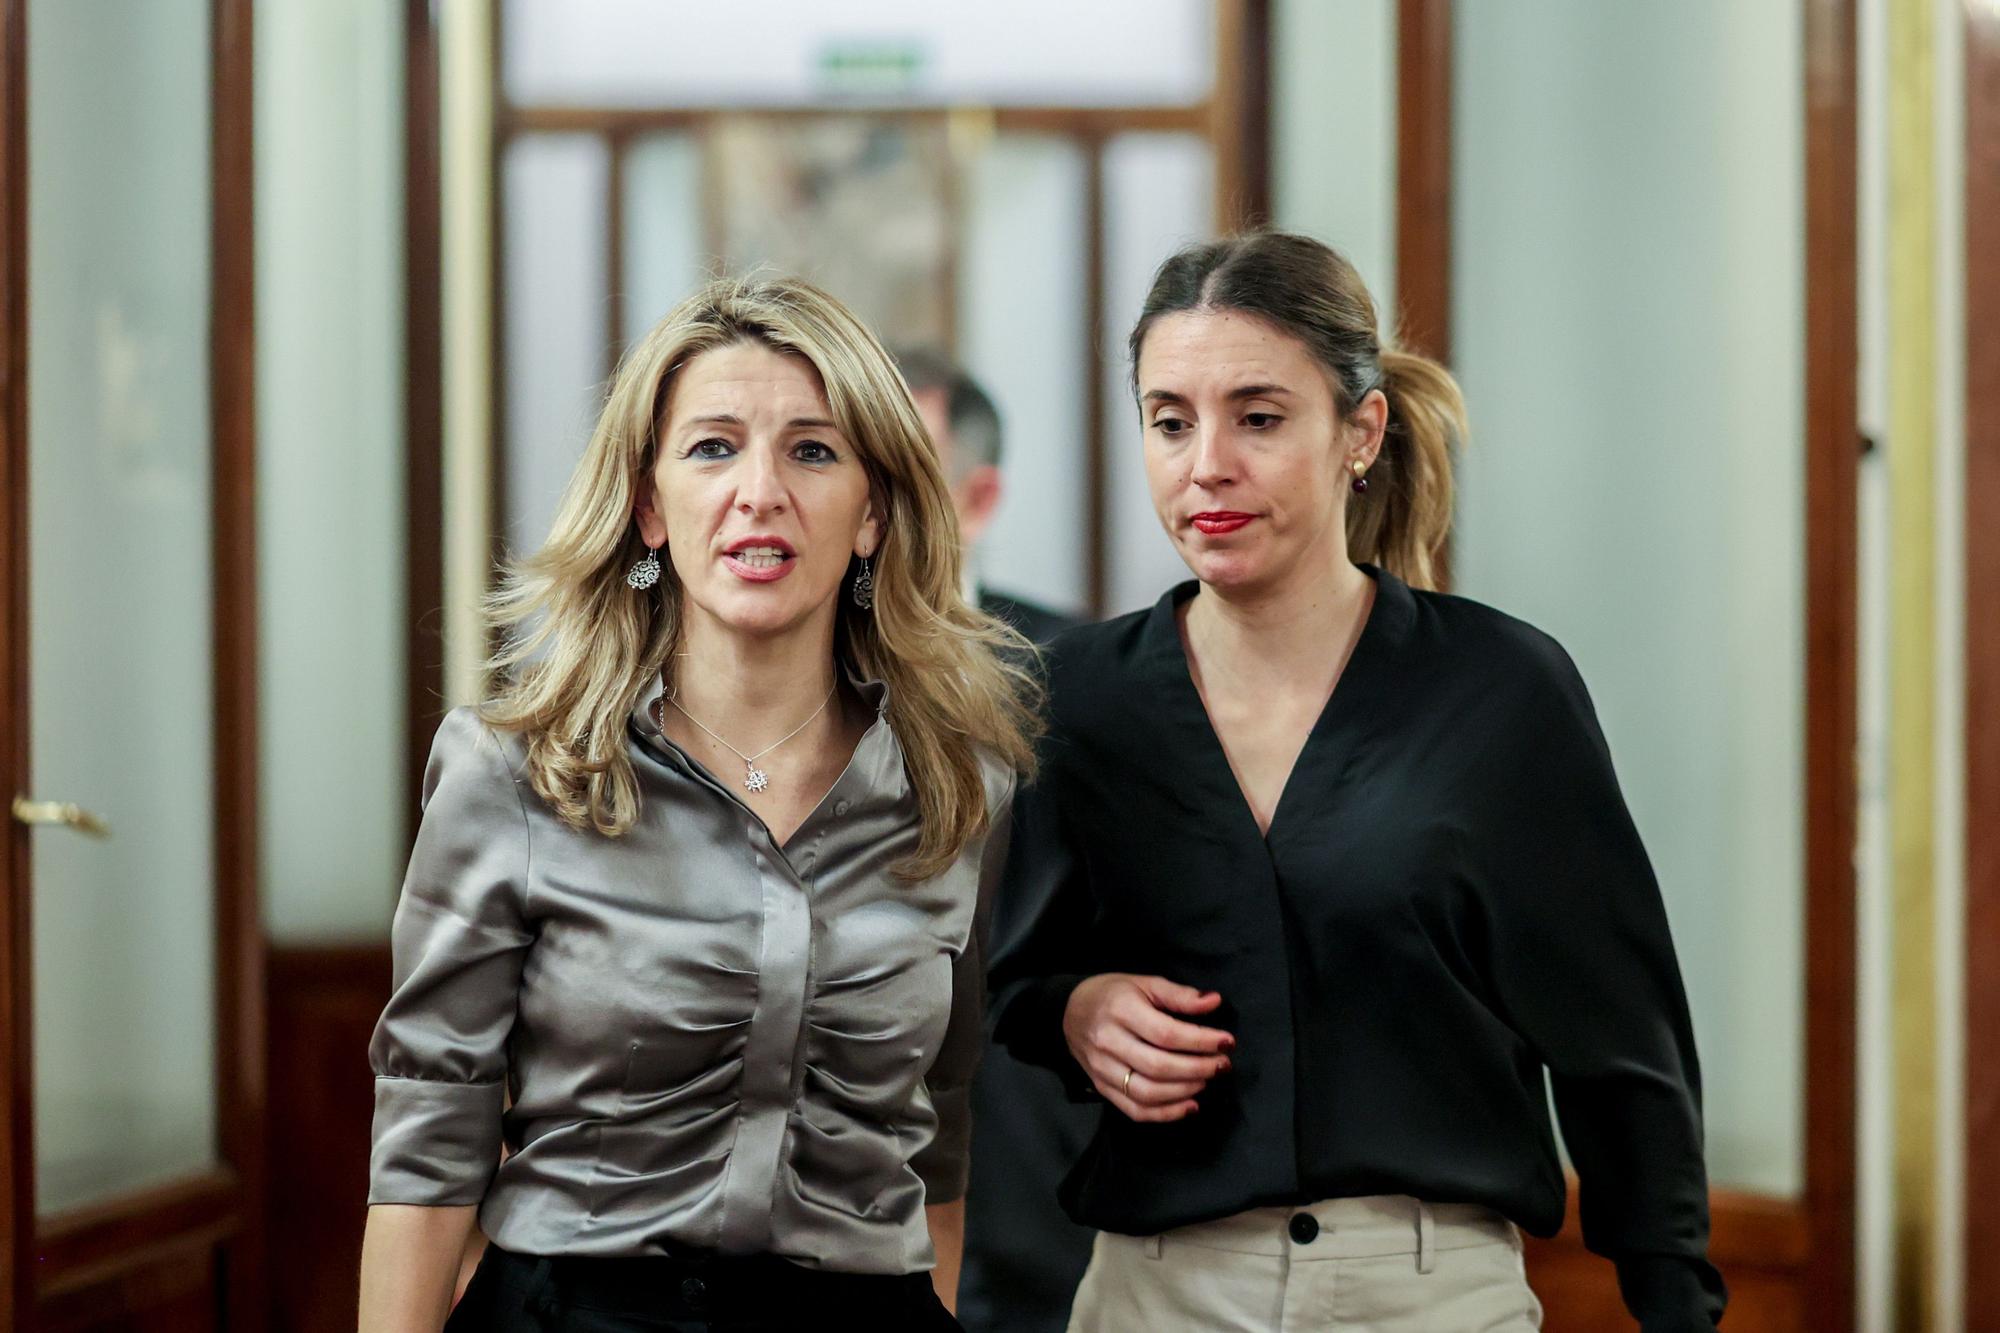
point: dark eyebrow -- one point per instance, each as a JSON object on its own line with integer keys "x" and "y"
{"x": 1260, "y": 391}
{"x": 1235, "y": 395}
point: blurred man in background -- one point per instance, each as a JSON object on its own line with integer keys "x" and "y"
{"x": 962, "y": 419}
{"x": 1023, "y": 1256}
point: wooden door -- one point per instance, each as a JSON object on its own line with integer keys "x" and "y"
{"x": 130, "y": 952}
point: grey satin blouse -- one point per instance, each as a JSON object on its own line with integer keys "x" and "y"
{"x": 709, "y": 1040}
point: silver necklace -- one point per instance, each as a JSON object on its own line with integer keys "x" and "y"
{"x": 755, "y": 778}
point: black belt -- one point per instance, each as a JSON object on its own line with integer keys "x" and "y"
{"x": 704, "y": 1285}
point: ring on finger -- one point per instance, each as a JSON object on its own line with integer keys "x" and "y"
{"x": 1126, "y": 1087}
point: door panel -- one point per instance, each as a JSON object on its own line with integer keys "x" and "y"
{"x": 130, "y": 963}
{"x": 121, "y": 700}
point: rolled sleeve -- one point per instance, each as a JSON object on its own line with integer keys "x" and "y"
{"x": 459, "y": 940}
{"x": 944, "y": 1164}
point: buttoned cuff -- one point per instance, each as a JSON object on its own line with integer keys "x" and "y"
{"x": 436, "y": 1143}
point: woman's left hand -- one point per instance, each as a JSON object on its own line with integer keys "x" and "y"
{"x": 1144, "y": 1061}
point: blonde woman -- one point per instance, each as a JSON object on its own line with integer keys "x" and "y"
{"x": 691, "y": 926}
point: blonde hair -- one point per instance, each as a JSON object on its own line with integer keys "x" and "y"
{"x": 579, "y": 645}
{"x": 1310, "y": 291}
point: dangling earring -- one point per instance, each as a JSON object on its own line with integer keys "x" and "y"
{"x": 645, "y": 573}
{"x": 1360, "y": 477}
{"x": 864, "y": 587}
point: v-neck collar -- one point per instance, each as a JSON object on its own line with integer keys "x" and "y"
{"x": 1349, "y": 716}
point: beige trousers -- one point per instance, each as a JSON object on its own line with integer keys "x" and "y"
{"x": 1385, "y": 1264}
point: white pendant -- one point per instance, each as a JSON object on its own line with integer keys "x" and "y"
{"x": 757, "y": 779}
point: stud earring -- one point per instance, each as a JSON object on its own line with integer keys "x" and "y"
{"x": 864, "y": 587}
{"x": 645, "y": 573}
{"x": 1360, "y": 477}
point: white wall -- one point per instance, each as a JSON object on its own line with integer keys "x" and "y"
{"x": 330, "y": 464}
{"x": 1949, "y": 18}
{"x": 1333, "y": 132}
{"x": 1022, "y": 285}
{"x": 1628, "y": 322}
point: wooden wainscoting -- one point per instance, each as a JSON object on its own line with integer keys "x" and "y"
{"x": 323, "y": 1003}
{"x": 1760, "y": 1244}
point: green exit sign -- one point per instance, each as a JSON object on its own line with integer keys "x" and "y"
{"x": 870, "y": 66}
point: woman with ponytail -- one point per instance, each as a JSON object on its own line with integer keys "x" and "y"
{"x": 1324, "y": 869}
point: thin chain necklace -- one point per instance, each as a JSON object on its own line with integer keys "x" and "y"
{"x": 755, "y": 778}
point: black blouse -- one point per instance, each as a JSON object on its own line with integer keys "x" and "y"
{"x": 1451, "y": 897}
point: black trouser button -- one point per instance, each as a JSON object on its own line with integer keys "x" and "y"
{"x": 1304, "y": 1228}
{"x": 694, "y": 1291}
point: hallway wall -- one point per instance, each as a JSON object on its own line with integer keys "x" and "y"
{"x": 330, "y": 461}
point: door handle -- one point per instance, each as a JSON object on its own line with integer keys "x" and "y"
{"x": 66, "y": 814}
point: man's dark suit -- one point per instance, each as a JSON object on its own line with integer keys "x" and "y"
{"x": 1023, "y": 1256}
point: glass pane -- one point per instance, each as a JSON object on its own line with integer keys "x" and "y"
{"x": 859, "y": 205}
{"x": 664, "y": 250}
{"x": 554, "y": 313}
{"x": 1022, "y": 280}
{"x": 1333, "y": 141}
{"x": 118, "y": 320}
{"x": 1628, "y": 326}
{"x": 1159, "y": 193}
{"x": 800, "y": 52}
{"x": 330, "y": 459}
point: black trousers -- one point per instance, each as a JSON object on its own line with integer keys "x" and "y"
{"x": 520, "y": 1293}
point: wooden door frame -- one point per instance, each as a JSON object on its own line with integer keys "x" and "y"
{"x": 1982, "y": 667}
{"x": 1825, "y": 1216}
{"x": 423, "y": 397}
{"x": 17, "y": 1146}
{"x": 81, "y": 1254}
{"x": 1235, "y": 119}
{"x": 1832, "y": 697}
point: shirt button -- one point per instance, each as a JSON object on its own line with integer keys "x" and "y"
{"x": 842, "y": 807}
{"x": 1304, "y": 1228}
{"x": 694, "y": 1291}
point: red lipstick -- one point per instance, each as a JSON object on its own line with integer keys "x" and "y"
{"x": 1216, "y": 522}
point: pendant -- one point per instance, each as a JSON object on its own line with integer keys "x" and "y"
{"x": 757, "y": 779}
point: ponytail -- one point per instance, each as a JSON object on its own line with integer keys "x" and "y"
{"x": 1402, "y": 522}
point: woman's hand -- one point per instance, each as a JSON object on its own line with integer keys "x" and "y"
{"x": 1143, "y": 1060}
